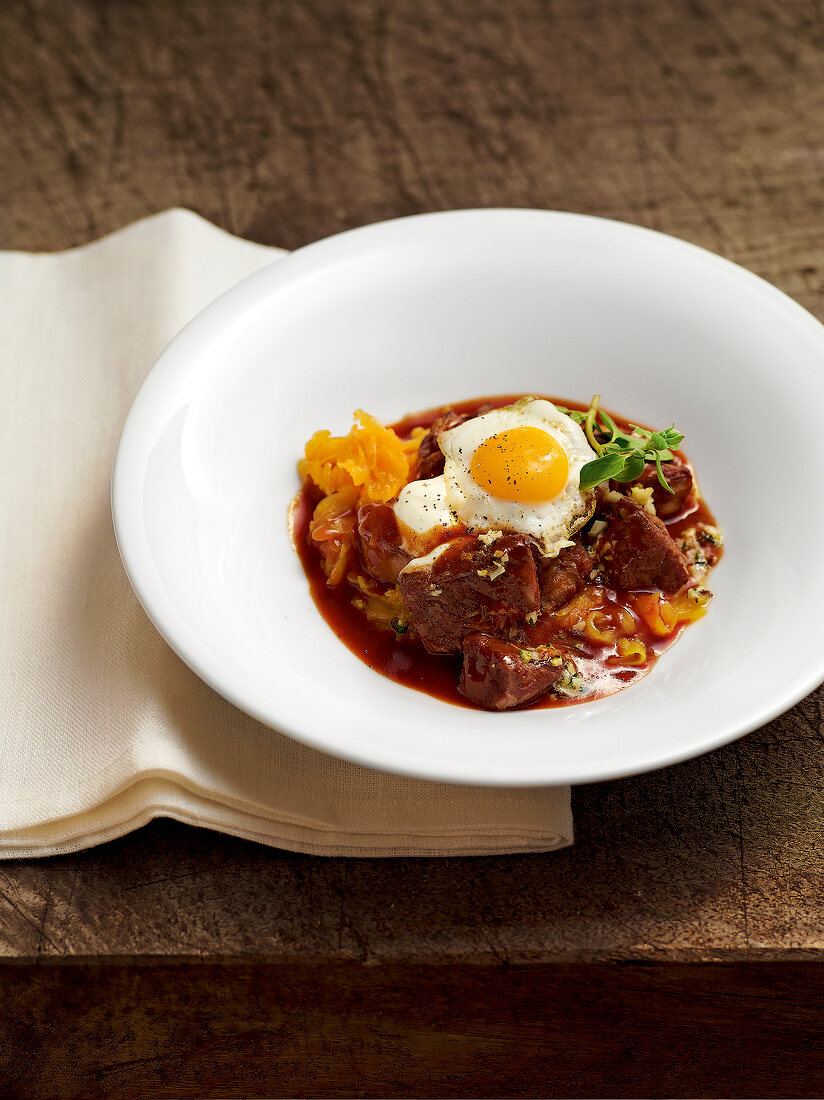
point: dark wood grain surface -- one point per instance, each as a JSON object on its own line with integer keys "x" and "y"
{"x": 676, "y": 950}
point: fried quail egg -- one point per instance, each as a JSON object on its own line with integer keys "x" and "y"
{"x": 513, "y": 469}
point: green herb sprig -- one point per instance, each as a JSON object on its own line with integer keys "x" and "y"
{"x": 621, "y": 457}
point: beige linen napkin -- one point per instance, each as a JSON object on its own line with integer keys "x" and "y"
{"x": 102, "y": 727}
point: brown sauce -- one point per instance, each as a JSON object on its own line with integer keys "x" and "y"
{"x": 403, "y": 659}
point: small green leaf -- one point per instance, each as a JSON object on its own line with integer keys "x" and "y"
{"x": 623, "y": 443}
{"x": 608, "y": 424}
{"x": 600, "y": 469}
{"x": 661, "y": 477}
{"x": 641, "y": 435}
{"x": 673, "y": 437}
{"x": 633, "y": 468}
{"x": 573, "y": 414}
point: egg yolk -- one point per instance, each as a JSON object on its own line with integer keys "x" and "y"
{"x": 523, "y": 464}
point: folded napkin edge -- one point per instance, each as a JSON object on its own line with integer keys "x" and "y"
{"x": 173, "y": 213}
{"x": 297, "y": 839}
{"x": 159, "y": 782}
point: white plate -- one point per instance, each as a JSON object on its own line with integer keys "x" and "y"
{"x": 413, "y": 313}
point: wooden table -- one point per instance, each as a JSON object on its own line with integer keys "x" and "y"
{"x": 677, "y": 949}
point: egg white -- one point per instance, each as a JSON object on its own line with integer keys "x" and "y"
{"x": 550, "y": 522}
{"x": 422, "y": 506}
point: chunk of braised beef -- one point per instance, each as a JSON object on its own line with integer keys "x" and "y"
{"x": 498, "y": 674}
{"x": 637, "y": 551}
{"x": 679, "y": 479}
{"x": 430, "y": 456}
{"x": 469, "y": 584}
{"x": 562, "y": 577}
{"x": 379, "y": 542}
